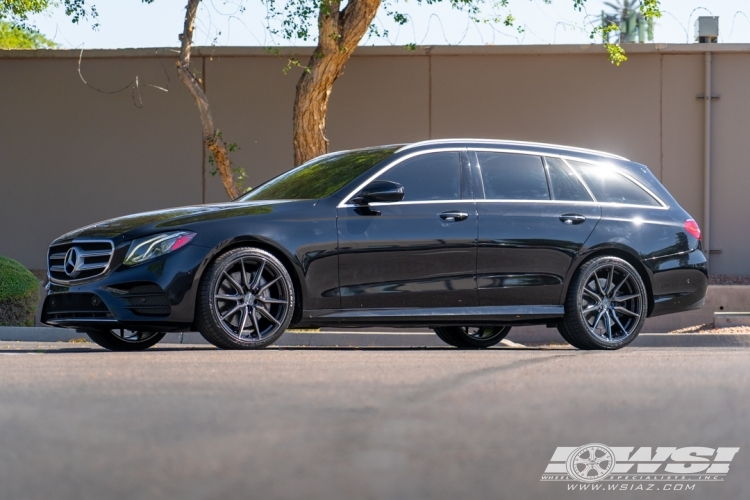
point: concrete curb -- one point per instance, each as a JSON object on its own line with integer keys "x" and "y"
{"x": 692, "y": 340}
{"x": 383, "y": 338}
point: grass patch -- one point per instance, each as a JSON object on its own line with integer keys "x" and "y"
{"x": 19, "y": 294}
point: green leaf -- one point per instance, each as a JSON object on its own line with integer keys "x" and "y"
{"x": 616, "y": 53}
{"x": 17, "y": 37}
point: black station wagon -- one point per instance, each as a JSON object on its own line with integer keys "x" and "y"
{"x": 468, "y": 237}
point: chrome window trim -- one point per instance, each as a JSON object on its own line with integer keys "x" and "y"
{"x": 344, "y": 202}
{"x": 502, "y": 143}
{"x": 558, "y": 202}
{"x": 105, "y": 270}
{"x": 662, "y": 206}
{"x": 586, "y": 203}
{"x": 419, "y": 202}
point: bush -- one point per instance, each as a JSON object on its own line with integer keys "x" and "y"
{"x": 19, "y": 294}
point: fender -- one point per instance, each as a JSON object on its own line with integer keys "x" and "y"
{"x": 617, "y": 250}
{"x": 290, "y": 261}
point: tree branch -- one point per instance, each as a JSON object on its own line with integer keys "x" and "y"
{"x": 211, "y": 136}
{"x": 339, "y": 34}
{"x": 356, "y": 18}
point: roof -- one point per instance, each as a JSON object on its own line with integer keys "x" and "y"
{"x": 521, "y": 145}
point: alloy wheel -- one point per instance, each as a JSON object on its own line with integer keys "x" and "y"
{"x": 611, "y": 303}
{"x": 472, "y": 337}
{"x": 483, "y": 332}
{"x": 133, "y": 336}
{"x": 251, "y": 298}
{"x": 122, "y": 339}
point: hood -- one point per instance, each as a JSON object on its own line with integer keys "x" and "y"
{"x": 150, "y": 222}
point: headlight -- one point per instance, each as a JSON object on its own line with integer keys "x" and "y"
{"x": 150, "y": 247}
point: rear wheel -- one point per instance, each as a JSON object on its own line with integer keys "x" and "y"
{"x": 606, "y": 305}
{"x": 470, "y": 337}
{"x": 125, "y": 340}
{"x": 246, "y": 300}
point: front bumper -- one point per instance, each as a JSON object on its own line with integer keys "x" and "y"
{"x": 156, "y": 295}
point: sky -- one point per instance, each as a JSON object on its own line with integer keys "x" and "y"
{"x": 130, "y": 23}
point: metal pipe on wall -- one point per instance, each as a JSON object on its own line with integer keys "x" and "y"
{"x": 707, "y": 94}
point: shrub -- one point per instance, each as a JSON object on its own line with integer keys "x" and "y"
{"x": 19, "y": 294}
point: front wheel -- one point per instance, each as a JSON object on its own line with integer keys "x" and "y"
{"x": 469, "y": 337}
{"x": 246, "y": 300}
{"x": 125, "y": 340}
{"x": 606, "y": 305}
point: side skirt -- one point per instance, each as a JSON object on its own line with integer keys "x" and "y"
{"x": 444, "y": 316}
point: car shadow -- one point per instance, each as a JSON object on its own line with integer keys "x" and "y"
{"x": 9, "y": 350}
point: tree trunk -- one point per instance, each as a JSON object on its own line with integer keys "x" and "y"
{"x": 211, "y": 135}
{"x": 340, "y": 33}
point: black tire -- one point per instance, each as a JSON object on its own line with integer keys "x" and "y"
{"x": 464, "y": 337}
{"x": 245, "y": 288}
{"x": 594, "y": 319}
{"x": 563, "y": 333}
{"x": 125, "y": 340}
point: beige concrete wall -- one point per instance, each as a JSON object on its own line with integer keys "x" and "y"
{"x": 72, "y": 155}
{"x": 682, "y": 130}
{"x": 574, "y": 99}
{"x": 730, "y": 189}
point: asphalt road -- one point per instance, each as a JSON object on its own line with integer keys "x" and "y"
{"x": 80, "y": 423}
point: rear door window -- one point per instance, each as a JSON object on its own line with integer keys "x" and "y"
{"x": 431, "y": 176}
{"x": 609, "y": 186}
{"x": 508, "y": 176}
{"x": 564, "y": 183}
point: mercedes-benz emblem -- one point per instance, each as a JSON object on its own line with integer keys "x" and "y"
{"x": 73, "y": 262}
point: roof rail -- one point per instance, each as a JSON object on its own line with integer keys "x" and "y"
{"x": 499, "y": 142}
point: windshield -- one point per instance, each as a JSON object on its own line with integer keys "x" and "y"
{"x": 320, "y": 177}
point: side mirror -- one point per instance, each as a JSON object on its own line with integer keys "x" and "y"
{"x": 380, "y": 191}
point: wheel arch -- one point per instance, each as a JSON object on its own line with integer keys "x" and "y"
{"x": 277, "y": 251}
{"x": 628, "y": 255}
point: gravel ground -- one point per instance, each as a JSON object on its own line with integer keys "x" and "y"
{"x": 726, "y": 279}
{"x": 711, "y": 329}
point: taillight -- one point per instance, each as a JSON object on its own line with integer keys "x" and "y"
{"x": 692, "y": 227}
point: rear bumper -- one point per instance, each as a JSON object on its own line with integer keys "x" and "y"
{"x": 679, "y": 282}
{"x": 157, "y": 295}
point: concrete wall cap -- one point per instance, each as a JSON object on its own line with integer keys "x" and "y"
{"x": 421, "y": 51}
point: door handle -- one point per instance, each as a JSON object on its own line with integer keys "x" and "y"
{"x": 572, "y": 219}
{"x": 452, "y": 216}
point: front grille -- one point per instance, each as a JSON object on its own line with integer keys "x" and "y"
{"x": 79, "y": 260}
{"x": 147, "y": 299}
{"x": 74, "y": 306}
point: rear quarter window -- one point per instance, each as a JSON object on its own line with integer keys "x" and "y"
{"x": 609, "y": 186}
